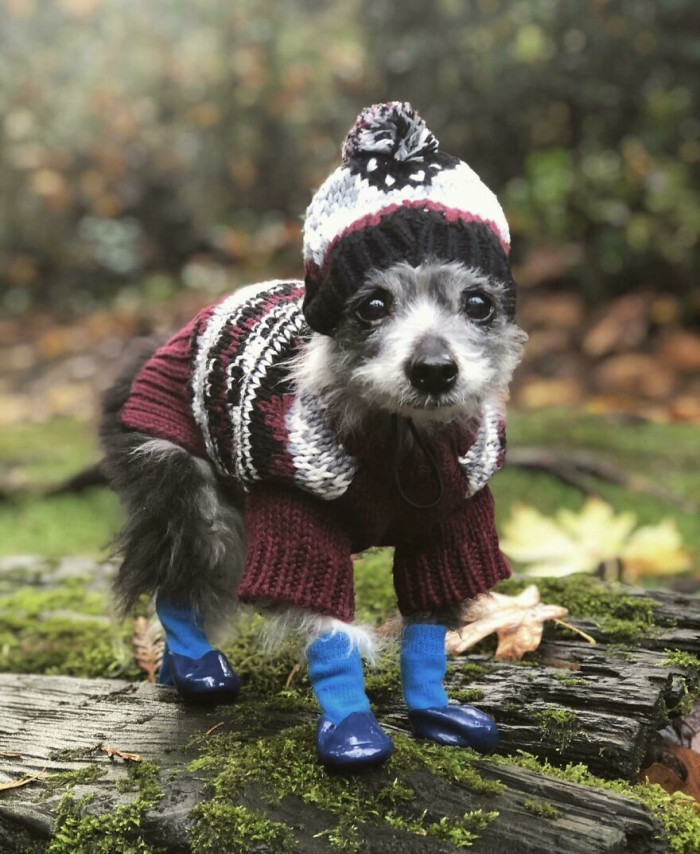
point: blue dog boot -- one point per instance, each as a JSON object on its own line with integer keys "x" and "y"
{"x": 200, "y": 673}
{"x": 358, "y": 741}
{"x": 456, "y": 726}
{"x": 423, "y": 666}
{"x": 206, "y": 680}
{"x": 348, "y": 736}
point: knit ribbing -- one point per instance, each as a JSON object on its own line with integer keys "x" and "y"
{"x": 456, "y": 560}
{"x": 298, "y": 553}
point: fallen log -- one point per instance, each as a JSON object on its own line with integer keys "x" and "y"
{"x": 127, "y": 762}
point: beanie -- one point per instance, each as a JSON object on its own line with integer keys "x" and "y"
{"x": 396, "y": 197}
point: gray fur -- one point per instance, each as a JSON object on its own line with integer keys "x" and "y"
{"x": 184, "y": 531}
{"x": 362, "y": 371}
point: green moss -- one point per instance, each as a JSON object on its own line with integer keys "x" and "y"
{"x": 81, "y": 776}
{"x": 471, "y": 671}
{"x": 677, "y": 813}
{"x": 557, "y": 725}
{"x": 680, "y": 658}
{"x": 234, "y": 829}
{"x": 285, "y": 766}
{"x": 79, "y": 832}
{"x": 467, "y": 695}
{"x": 541, "y": 808}
{"x": 620, "y": 617}
{"x": 37, "y": 635}
{"x": 570, "y": 681}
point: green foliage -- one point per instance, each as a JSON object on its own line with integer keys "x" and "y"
{"x": 541, "y": 808}
{"x": 556, "y": 725}
{"x": 62, "y": 630}
{"x": 284, "y": 765}
{"x": 79, "y": 832}
{"x": 224, "y": 116}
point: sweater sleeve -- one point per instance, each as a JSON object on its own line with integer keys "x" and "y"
{"x": 298, "y": 553}
{"x": 456, "y": 559}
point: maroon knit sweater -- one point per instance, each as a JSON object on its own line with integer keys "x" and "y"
{"x": 221, "y": 389}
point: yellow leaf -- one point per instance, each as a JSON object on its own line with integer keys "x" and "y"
{"x": 654, "y": 550}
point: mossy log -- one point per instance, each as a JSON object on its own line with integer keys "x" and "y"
{"x": 244, "y": 778}
{"x": 61, "y": 726}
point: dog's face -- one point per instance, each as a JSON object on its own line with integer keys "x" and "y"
{"x": 431, "y": 342}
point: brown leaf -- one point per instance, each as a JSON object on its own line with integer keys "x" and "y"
{"x": 4, "y": 755}
{"x": 147, "y": 644}
{"x": 666, "y": 775}
{"x": 127, "y": 757}
{"x": 517, "y": 621}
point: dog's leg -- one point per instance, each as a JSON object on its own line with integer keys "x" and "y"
{"x": 423, "y": 667}
{"x": 348, "y": 734}
{"x": 184, "y": 541}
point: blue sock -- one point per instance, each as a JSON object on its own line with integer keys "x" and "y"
{"x": 335, "y": 671}
{"x": 183, "y": 631}
{"x": 423, "y": 666}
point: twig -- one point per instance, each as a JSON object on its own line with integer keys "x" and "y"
{"x": 292, "y": 673}
{"x": 15, "y": 784}
{"x": 214, "y": 728}
{"x": 577, "y": 631}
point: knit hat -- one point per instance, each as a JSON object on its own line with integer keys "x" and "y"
{"x": 396, "y": 197}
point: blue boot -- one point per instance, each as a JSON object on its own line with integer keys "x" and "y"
{"x": 200, "y": 673}
{"x": 423, "y": 666}
{"x": 349, "y": 736}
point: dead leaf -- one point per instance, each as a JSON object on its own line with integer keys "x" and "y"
{"x": 517, "y": 620}
{"x": 4, "y": 755}
{"x": 15, "y": 784}
{"x": 147, "y": 644}
{"x": 681, "y": 351}
{"x": 666, "y": 775}
{"x": 127, "y": 757}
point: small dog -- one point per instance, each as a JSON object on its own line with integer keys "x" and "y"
{"x": 295, "y": 423}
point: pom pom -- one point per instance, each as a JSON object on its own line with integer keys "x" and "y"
{"x": 393, "y": 130}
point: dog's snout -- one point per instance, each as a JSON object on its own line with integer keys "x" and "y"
{"x": 432, "y": 369}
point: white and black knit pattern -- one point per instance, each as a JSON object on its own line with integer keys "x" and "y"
{"x": 485, "y": 456}
{"x": 322, "y": 466}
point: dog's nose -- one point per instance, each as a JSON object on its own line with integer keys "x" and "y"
{"x": 432, "y": 369}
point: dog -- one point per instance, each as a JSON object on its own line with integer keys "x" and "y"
{"x": 298, "y": 422}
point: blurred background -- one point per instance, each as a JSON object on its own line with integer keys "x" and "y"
{"x": 154, "y": 156}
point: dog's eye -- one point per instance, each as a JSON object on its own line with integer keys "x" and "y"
{"x": 374, "y": 309}
{"x": 478, "y": 307}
